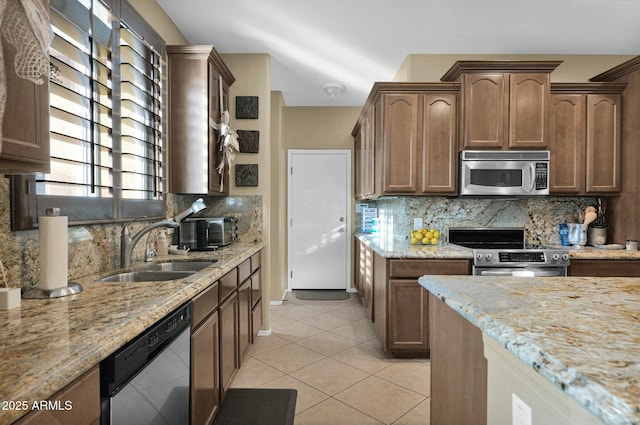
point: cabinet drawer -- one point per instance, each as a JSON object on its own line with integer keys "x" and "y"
{"x": 228, "y": 283}
{"x": 244, "y": 270}
{"x": 205, "y": 303}
{"x": 255, "y": 261}
{"x": 417, "y": 268}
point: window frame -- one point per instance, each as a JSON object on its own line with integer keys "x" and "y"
{"x": 27, "y": 205}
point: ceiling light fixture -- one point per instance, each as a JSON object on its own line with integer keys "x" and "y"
{"x": 333, "y": 89}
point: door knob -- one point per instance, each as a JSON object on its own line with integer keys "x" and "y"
{"x": 342, "y": 219}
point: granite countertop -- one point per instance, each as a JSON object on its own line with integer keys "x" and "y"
{"x": 46, "y": 344}
{"x": 389, "y": 246}
{"x": 398, "y": 247}
{"x": 581, "y": 334}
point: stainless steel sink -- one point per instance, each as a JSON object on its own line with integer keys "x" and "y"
{"x": 180, "y": 266}
{"x": 146, "y": 276}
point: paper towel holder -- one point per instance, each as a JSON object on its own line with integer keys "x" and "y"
{"x": 64, "y": 291}
{"x": 39, "y": 293}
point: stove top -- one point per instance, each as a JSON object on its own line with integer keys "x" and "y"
{"x": 502, "y": 246}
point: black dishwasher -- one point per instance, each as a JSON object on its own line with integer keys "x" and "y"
{"x": 147, "y": 381}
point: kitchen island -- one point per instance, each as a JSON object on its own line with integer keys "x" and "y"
{"x": 580, "y": 334}
{"x": 47, "y": 344}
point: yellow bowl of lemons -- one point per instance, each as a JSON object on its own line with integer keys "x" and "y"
{"x": 425, "y": 236}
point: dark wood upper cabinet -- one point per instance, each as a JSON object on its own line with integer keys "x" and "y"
{"x": 406, "y": 140}
{"x": 584, "y": 138}
{"x": 25, "y": 126}
{"x": 196, "y": 74}
{"x": 505, "y": 104}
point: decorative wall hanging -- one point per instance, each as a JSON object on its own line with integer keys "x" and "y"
{"x": 249, "y": 141}
{"x": 227, "y": 140}
{"x": 24, "y": 24}
{"x": 247, "y": 107}
{"x": 246, "y": 174}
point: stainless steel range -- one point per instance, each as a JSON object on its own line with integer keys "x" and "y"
{"x": 503, "y": 251}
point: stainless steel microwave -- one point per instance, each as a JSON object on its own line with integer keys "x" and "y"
{"x": 504, "y": 173}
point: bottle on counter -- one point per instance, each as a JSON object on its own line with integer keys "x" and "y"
{"x": 162, "y": 244}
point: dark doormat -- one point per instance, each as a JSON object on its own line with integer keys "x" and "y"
{"x": 321, "y": 294}
{"x": 258, "y": 406}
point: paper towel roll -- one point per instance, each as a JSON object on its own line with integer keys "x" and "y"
{"x": 54, "y": 252}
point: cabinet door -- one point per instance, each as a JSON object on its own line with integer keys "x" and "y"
{"x": 218, "y": 183}
{"x": 528, "y": 110}
{"x": 567, "y": 144}
{"x": 408, "y": 315}
{"x": 188, "y": 74}
{"x": 255, "y": 288}
{"x": 84, "y": 396}
{"x": 365, "y": 268}
{"x": 205, "y": 379}
{"x": 228, "y": 343}
{"x": 400, "y": 143}
{"x": 367, "y": 155}
{"x": 357, "y": 165}
{"x": 439, "y": 144}
{"x": 256, "y": 320}
{"x": 25, "y": 125}
{"x": 484, "y": 114}
{"x": 603, "y": 143}
{"x": 244, "y": 319}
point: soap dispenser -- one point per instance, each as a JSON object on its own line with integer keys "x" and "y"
{"x": 162, "y": 244}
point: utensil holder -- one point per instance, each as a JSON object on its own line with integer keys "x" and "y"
{"x": 577, "y": 236}
{"x": 596, "y": 235}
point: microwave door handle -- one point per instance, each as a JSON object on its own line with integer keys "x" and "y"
{"x": 532, "y": 176}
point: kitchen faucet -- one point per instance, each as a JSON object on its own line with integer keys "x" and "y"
{"x": 128, "y": 242}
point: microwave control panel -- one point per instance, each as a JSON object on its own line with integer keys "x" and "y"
{"x": 542, "y": 175}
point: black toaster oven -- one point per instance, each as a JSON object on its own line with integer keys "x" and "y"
{"x": 203, "y": 234}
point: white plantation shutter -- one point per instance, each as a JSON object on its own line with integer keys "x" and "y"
{"x": 106, "y": 117}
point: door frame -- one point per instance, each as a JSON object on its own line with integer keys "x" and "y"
{"x": 347, "y": 153}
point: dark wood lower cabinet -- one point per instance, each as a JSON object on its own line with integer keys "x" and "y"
{"x": 458, "y": 368}
{"x": 205, "y": 380}
{"x": 401, "y": 304}
{"x": 605, "y": 268}
{"x": 226, "y": 317}
{"x": 244, "y": 319}
{"x": 84, "y": 396}
{"x": 408, "y": 316}
{"x": 228, "y": 343}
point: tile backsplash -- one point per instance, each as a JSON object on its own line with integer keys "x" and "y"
{"x": 539, "y": 216}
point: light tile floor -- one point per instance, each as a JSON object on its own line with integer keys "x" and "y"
{"x": 328, "y": 351}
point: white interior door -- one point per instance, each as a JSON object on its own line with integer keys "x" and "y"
{"x": 318, "y": 218}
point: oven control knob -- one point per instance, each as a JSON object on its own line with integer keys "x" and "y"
{"x": 555, "y": 257}
{"x": 479, "y": 257}
{"x": 488, "y": 257}
{"x": 565, "y": 257}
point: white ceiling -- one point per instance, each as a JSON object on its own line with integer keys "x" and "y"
{"x": 358, "y": 42}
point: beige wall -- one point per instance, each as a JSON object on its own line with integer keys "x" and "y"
{"x": 313, "y": 128}
{"x": 574, "y": 68}
{"x": 278, "y": 178}
{"x": 253, "y": 78}
{"x": 159, "y": 20}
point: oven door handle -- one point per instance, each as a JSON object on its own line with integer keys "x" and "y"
{"x": 509, "y": 272}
